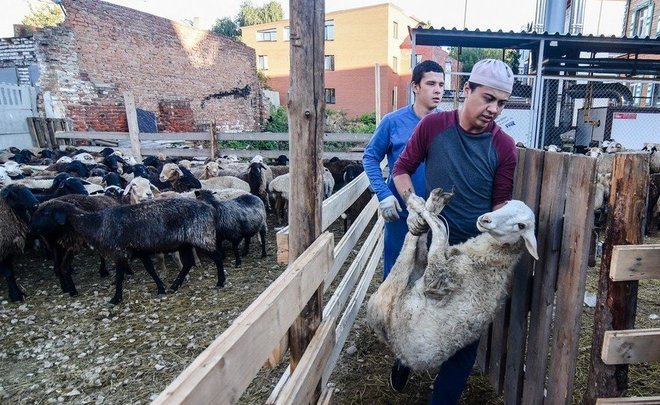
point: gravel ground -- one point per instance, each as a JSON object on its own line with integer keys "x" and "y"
{"x": 61, "y": 349}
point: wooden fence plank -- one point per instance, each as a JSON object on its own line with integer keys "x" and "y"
{"x": 301, "y": 387}
{"x": 348, "y": 318}
{"x": 631, "y": 346}
{"x": 235, "y": 357}
{"x": 527, "y": 188}
{"x": 633, "y": 400}
{"x": 133, "y": 126}
{"x": 175, "y": 136}
{"x": 347, "y": 242}
{"x": 107, "y": 136}
{"x": 550, "y": 221}
{"x": 284, "y": 137}
{"x": 331, "y": 209}
{"x": 572, "y": 277}
{"x": 635, "y": 262}
{"x": 616, "y": 301}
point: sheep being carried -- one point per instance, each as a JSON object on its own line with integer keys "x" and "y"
{"x": 437, "y": 300}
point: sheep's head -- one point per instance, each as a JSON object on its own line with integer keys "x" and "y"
{"x": 185, "y": 163}
{"x": 140, "y": 189}
{"x": 508, "y": 224}
{"x": 86, "y": 158}
{"x": 64, "y": 159}
{"x": 170, "y": 172}
{"x": 594, "y": 152}
{"x": 212, "y": 169}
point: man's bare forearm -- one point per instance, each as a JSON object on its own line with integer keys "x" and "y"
{"x": 404, "y": 186}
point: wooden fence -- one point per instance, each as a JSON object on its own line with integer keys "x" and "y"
{"x": 529, "y": 352}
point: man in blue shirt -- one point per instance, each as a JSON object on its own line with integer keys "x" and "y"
{"x": 391, "y": 136}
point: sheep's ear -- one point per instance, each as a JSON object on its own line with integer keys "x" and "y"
{"x": 154, "y": 189}
{"x": 263, "y": 166}
{"x": 60, "y": 217}
{"x": 530, "y": 244}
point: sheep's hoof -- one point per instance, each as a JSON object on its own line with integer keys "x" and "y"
{"x": 104, "y": 274}
{"x": 162, "y": 291}
{"x": 174, "y": 287}
{"x": 437, "y": 200}
{"x": 115, "y": 301}
{"x": 73, "y": 293}
{"x": 220, "y": 285}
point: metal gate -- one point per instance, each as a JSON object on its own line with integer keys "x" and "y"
{"x": 16, "y": 104}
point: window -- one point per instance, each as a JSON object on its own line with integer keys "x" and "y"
{"x": 329, "y": 96}
{"x": 636, "y": 90}
{"x": 418, "y": 59}
{"x": 395, "y": 64}
{"x": 395, "y": 95}
{"x": 286, "y": 34}
{"x": 262, "y": 62}
{"x": 395, "y": 30}
{"x": 329, "y": 62}
{"x": 329, "y": 30}
{"x": 267, "y": 35}
{"x": 641, "y": 21}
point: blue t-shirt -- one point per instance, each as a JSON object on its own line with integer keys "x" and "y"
{"x": 390, "y": 138}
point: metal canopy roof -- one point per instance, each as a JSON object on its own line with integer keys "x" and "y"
{"x": 561, "y": 52}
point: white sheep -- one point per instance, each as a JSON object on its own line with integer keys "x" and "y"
{"x": 279, "y": 190}
{"x": 207, "y": 171}
{"x": 220, "y": 182}
{"x": 436, "y": 301}
{"x": 328, "y": 183}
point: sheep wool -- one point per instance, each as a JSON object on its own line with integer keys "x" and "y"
{"x": 435, "y": 302}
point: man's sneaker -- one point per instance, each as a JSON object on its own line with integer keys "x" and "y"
{"x": 399, "y": 376}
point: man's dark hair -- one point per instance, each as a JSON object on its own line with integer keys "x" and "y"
{"x": 423, "y": 67}
{"x": 473, "y": 86}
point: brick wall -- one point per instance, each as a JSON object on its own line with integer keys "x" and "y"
{"x": 188, "y": 77}
{"x": 19, "y": 53}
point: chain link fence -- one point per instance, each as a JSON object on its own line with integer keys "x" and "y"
{"x": 574, "y": 113}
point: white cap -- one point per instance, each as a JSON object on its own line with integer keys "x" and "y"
{"x": 492, "y": 73}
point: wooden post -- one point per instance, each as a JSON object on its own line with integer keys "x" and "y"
{"x": 133, "y": 127}
{"x": 213, "y": 140}
{"x": 377, "y": 91}
{"x": 305, "y": 108}
{"x": 616, "y": 304}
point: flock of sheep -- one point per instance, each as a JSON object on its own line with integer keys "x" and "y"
{"x": 126, "y": 210}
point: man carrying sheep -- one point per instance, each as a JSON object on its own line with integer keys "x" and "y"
{"x": 464, "y": 151}
{"x": 391, "y": 136}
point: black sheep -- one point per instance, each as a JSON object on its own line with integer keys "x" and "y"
{"x": 237, "y": 219}
{"x": 16, "y": 207}
{"x": 61, "y": 239}
{"x": 142, "y": 229}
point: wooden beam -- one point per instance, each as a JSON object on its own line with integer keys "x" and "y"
{"x": 354, "y": 305}
{"x": 133, "y": 126}
{"x": 626, "y": 401}
{"x": 284, "y": 136}
{"x": 305, "y": 380}
{"x": 635, "y": 262}
{"x": 332, "y": 208}
{"x": 306, "y": 111}
{"x": 214, "y": 143}
{"x": 327, "y": 397}
{"x": 631, "y": 346}
{"x": 220, "y": 374}
{"x": 616, "y": 302}
{"x": 571, "y": 278}
{"x": 349, "y": 240}
{"x": 107, "y": 136}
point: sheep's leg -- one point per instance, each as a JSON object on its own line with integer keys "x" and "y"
{"x": 176, "y": 256}
{"x": 7, "y": 271}
{"x": 246, "y": 246}
{"x": 218, "y": 256}
{"x": 121, "y": 266}
{"x": 58, "y": 252}
{"x": 262, "y": 235}
{"x": 103, "y": 268}
{"x": 149, "y": 266}
{"x": 66, "y": 269}
{"x": 187, "y": 261}
{"x": 196, "y": 258}
{"x": 439, "y": 280}
{"x": 160, "y": 262}
{"x": 237, "y": 253}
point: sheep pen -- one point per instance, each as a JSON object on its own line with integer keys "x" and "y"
{"x": 58, "y": 349}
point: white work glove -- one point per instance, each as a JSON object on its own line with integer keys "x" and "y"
{"x": 390, "y": 208}
{"x": 416, "y": 224}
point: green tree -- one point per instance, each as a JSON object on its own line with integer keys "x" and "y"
{"x": 43, "y": 13}
{"x": 227, "y": 27}
{"x": 250, "y": 14}
{"x": 469, "y": 56}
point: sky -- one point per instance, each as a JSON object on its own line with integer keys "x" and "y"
{"x": 481, "y": 14}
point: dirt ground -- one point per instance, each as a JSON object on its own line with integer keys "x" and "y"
{"x": 61, "y": 349}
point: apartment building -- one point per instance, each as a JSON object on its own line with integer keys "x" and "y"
{"x": 363, "y": 46}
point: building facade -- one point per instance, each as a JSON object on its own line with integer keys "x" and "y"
{"x": 366, "y": 49}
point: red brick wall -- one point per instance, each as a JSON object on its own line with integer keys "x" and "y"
{"x": 103, "y": 50}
